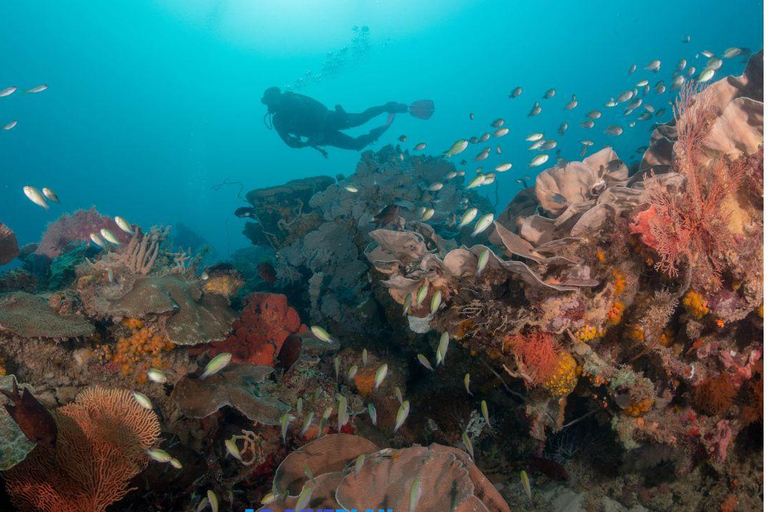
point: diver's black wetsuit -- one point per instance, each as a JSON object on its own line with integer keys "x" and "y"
{"x": 300, "y": 116}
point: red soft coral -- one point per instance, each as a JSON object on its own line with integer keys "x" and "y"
{"x": 76, "y": 228}
{"x": 537, "y": 355}
{"x": 259, "y": 332}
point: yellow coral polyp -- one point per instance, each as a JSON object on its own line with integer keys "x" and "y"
{"x": 667, "y": 338}
{"x": 636, "y": 333}
{"x": 564, "y": 379}
{"x": 132, "y": 323}
{"x": 616, "y": 312}
{"x": 601, "y": 255}
{"x": 140, "y": 351}
{"x": 637, "y": 409}
{"x": 588, "y": 333}
{"x": 695, "y": 304}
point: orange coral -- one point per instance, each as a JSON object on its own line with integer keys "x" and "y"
{"x": 565, "y": 376}
{"x": 619, "y": 282}
{"x": 714, "y": 396}
{"x": 636, "y": 333}
{"x": 695, "y": 304}
{"x": 364, "y": 381}
{"x": 637, "y": 409}
{"x": 667, "y": 338}
{"x": 101, "y": 444}
{"x": 141, "y": 350}
{"x": 615, "y": 313}
{"x": 537, "y": 354}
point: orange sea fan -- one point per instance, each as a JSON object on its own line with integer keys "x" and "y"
{"x": 101, "y": 444}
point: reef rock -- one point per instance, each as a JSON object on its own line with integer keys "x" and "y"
{"x": 30, "y": 316}
{"x": 9, "y": 247}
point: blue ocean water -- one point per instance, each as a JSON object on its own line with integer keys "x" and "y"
{"x": 151, "y": 104}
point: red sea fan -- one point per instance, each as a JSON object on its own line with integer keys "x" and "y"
{"x": 76, "y": 228}
{"x": 690, "y": 225}
{"x": 537, "y": 355}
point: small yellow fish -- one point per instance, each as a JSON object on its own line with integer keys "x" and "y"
{"x": 176, "y": 463}
{"x": 216, "y": 364}
{"x": 526, "y": 485}
{"x": 533, "y": 137}
{"x": 421, "y": 294}
{"x": 503, "y": 167}
{"x": 466, "y": 384}
{"x": 501, "y": 132}
{"x": 476, "y": 181}
{"x": 420, "y": 146}
{"x": 407, "y": 303}
{"x": 159, "y": 455}
{"x": 304, "y": 498}
{"x": 483, "y": 223}
{"x": 352, "y": 372}
{"x": 365, "y": 357}
{"x": 381, "y": 374}
{"x": 213, "y": 500}
{"x": 305, "y": 426}
{"x": 468, "y": 444}
{"x": 415, "y": 495}
{"x": 143, "y": 400}
{"x": 484, "y": 410}
{"x": 424, "y": 362}
{"x": 321, "y": 333}
{"x": 706, "y": 75}
{"x": 353, "y": 189}
{"x": 538, "y": 160}
{"x": 458, "y": 146}
{"x": 402, "y": 415}
{"x": 232, "y": 449}
{"x": 437, "y": 300}
{"x": 482, "y": 261}
{"x": 96, "y": 239}
{"x": 336, "y": 366}
{"x": 442, "y": 347}
{"x": 428, "y": 214}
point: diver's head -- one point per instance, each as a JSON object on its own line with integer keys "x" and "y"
{"x": 271, "y": 98}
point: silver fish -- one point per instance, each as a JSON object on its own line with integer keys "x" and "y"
{"x": 156, "y": 375}
{"x": 563, "y": 128}
{"x": 536, "y": 110}
{"x": 625, "y": 96}
{"x": 10, "y": 126}
{"x": 654, "y": 66}
{"x": 594, "y": 114}
{"x": 7, "y": 91}
{"x": 109, "y": 236}
{"x": 420, "y": 146}
{"x": 533, "y": 137}
{"x": 96, "y": 239}
{"x": 632, "y": 68}
{"x": 614, "y": 130}
{"x": 501, "y": 132}
{"x": 497, "y": 123}
{"x": 549, "y": 94}
{"x": 124, "y": 225}
{"x": 143, "y": 400}
{"x": 538, "y": 160}
{"x": 503, "y": 167}
{"x": 50, "y": 194}
{"x": 435, "y": 187}
{"x": 36, "y": 197}
{"x": 352, "y": 189}
{"x": 517, "y": 91}
{"x": 372, "y": 412}
{"x": 36, "y": 89}
{"x": 458, "y": 146}
{"x": 706, "y": 75}
{"x": 571, "y": 104}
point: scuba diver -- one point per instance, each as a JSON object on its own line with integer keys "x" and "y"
{"x": 296, "y": 117}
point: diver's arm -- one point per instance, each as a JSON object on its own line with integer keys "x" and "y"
{"x": 291, "y": 140}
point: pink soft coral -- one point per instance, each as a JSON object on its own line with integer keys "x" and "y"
{"x": 76, "y": 228}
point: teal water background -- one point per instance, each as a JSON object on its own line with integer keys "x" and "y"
{"x": 152, "y": 103}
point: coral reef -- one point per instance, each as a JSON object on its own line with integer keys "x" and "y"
{"x": 74, "y": 228}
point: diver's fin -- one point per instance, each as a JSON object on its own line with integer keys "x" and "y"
{"x": 422, "y": 109}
